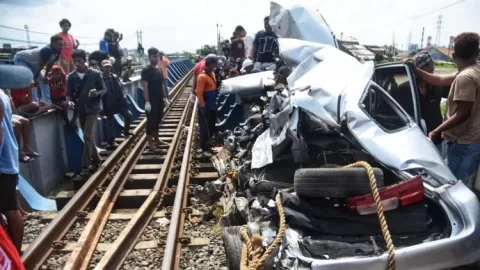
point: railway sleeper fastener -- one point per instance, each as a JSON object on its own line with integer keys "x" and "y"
{"x": 82, "y": 214}
{"x": 57, "y": 245}
{"x": 184, "y": 240}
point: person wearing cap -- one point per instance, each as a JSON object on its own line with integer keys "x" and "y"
{"x": 57, "y": 80}
{"x": 156, "y": 97}
{"x": 95, "y": 58}
{"x": 69, "y": 44}
{"x": 207, "y": 101}
{"x": 429, "y": 96}
{"x": 197, "y": 70}
{"x": 11, "y": 77}
{"x": 127, "y": 70}
{"x": 247, "y": 67}
{"x": 37, "y": 59}
{"x": 264, "y": 46}
{"x": 163, "y": 63}
{"x": 85, "y": 88}
{"x": 114, "y": 102}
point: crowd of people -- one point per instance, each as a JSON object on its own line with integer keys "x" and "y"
{"x": 60, "y": 76}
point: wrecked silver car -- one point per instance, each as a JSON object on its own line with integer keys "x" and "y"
{"x": 338, "y": 111}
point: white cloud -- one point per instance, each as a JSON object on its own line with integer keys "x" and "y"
{"x": 187, "y": 24}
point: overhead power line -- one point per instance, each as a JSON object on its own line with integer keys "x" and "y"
{"x": 34, "y": 32}
{"x": 432, "y": 11}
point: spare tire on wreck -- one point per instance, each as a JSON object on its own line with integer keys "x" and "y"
{"x": 334, "y": 182}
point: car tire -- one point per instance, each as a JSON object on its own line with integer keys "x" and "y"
{"x": 233, "y": 246}
{"x": 334, "y": 182}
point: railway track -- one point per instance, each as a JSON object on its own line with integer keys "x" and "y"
{"x": 120, "y": 218}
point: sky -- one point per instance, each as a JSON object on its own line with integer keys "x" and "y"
{"x": 185, "y": 25}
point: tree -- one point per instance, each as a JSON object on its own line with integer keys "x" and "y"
{"x": 207, "y": 49}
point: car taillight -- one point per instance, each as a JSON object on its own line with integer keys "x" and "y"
{"x": 405, "y": 193}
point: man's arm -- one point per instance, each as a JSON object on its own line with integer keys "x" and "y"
{"x": 144, "y": 78}
{"x": 254, "y": 48}
{"x": 435, "y": 79}
{"x": 200, "y": 89}
{"x": 77, "y": 43}
{"x": 2, "y": 114}
{"x": 464, "y": 97}
{"x": 100, "y": 84}
{"x": 69, "y": 88}
{"x": 14, "y": 109}
{"x": 38, "y": 70}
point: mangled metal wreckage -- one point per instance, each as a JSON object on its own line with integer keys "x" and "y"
{"x": 332, "y": 99}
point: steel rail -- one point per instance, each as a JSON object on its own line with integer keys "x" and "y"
{"x": 127, "y": 239}
{"x": 171, "y": 255}
{"x": 82, "y": 253}
{"x": 41, "y": 248}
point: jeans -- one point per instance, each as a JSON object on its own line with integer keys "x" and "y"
{"x": 44, "y": 88}
{"x": 127, "y": 118}
{"x": 206, "y": 125}
{"x": 463, "y": 160}
{"x": 90, "y": 153}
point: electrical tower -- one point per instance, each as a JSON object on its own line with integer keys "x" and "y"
{"x": 28, "y": 35}
{"x": 439, "y": 30}
{"x": 139, "y": 37}
{"x": 423, "y": 33}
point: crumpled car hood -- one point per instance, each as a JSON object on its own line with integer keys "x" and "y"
{"x": 291, "y": 20}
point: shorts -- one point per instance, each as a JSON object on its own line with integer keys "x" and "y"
{"x": 58, "y": 100}
{"x": 8, "y": 192}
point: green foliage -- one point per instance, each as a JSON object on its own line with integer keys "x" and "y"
{"x": 206, "y": 49}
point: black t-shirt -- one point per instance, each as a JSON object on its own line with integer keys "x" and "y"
{"x": 154, "y": 77}
{"x": 98, "y": 56}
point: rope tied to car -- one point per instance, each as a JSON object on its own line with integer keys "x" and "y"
{"x": 250, "y": 259}
{"x": 392, "y": 265}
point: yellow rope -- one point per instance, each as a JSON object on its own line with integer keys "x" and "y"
{"x": 383, "y": 223}
{"x": 250, "y": 259}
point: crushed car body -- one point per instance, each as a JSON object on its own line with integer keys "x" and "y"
{"x": 332, "y": 99}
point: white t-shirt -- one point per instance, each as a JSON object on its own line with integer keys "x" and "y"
{"x": 80, "y": 75}
{"x": 249, "y": 44}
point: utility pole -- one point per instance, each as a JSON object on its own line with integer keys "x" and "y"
{"x": 28, "y": 36}
{"x": 219, "y": 50}
{"x": 423, "y": 33}
{"x": 439, "y": 30}
{"x": 409, "y": 40}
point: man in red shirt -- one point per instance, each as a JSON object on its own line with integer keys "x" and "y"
{"x": 237, "y": 50}
{"x": 57, "y": 80}
{"x": 69, "y": 44}
{"x": 197, "y": 70}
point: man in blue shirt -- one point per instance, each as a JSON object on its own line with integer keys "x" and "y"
{"x": 38, "y": 58}
{"x": 264, "y": 46}
{"x": 10, "y": 77}
{"x": 103, "y": 45}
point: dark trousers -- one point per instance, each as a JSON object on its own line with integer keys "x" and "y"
{"x": 117, "y": 67}
{"x": 90, "y": 153}
{"x": 127, "y": 119}
{"x": 206, "y": 124}
{"x": 154, "y": 118}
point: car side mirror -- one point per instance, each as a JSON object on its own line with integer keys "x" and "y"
{"x": 424, "y": 126}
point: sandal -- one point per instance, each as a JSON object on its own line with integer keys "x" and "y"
{"x": 85, "y": 172}
{"x": 32, "y": 154}
{"x": 24, "y": 158}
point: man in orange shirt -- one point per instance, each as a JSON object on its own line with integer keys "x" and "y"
{"x": 163, "y": 63}
{"x": 207, "y": 102}
{"x": 197, "y": 70}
